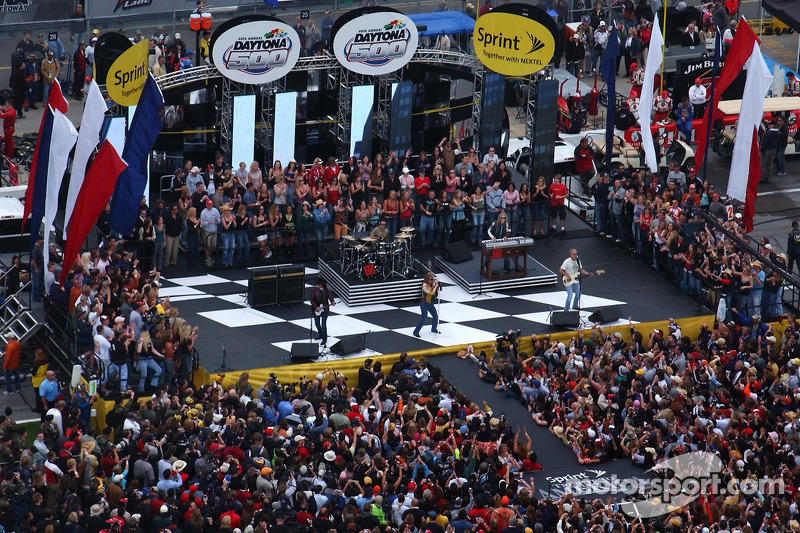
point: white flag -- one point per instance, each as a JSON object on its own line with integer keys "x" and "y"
{"x": 64, "y": 137}
{"x": 654, "y": 58}
{"x": 755, "y": 89}
{"x": 91, "y": 123}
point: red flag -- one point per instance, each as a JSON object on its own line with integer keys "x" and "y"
{"x": 753, "y": 176}
{"x": 56, "y": 101}
{"x": 740, "y": 51}
{"x": 98, "y": 185}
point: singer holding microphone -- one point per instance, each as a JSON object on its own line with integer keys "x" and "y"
{"x": 430, "y": 290}
{"x": 571, "y": 272}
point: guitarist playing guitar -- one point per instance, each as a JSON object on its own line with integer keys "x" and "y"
{"x": 571, "y": 272}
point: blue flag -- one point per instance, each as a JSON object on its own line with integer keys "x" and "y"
{"x": 40, "y": 185}
{"x": 145, "y": 127}
{"x": 608, "y": 68}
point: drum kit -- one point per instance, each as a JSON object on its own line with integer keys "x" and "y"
{"x": 369, "y": 257}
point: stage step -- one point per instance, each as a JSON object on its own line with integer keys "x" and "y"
{"x": 356, "y": 292}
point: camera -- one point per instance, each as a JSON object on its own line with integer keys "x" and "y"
{"x": 508, "y": 337}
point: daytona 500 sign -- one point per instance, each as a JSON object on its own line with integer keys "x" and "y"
{"x": 255, "y": 49}
{"x": 374, "y": 43}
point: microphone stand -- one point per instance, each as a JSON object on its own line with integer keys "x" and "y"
{"x": 224, "y": 367}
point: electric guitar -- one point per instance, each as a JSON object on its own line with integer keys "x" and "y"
{"x": 568, "y": 281}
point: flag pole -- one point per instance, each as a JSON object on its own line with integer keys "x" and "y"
{"x": 710, "y": 102}
{"x": 663, "y": 47}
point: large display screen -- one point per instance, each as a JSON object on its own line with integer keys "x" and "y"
{"x": 244, "y": 130}
{"x": 284, "y": 129}
{"x": 361, "y": 121}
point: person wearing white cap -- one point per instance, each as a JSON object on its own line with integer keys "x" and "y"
{"x": 600, "y": 43}
{"x": 13, "y": 352}
{"x": 193, "y": 179}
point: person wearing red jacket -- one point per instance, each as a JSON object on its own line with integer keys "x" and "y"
{"x": 9, "y": 116}
{"x": 584, "y": 157}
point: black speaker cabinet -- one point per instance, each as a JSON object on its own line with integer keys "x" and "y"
{"x": 456, "y": 252}
{"x": 303, "y": 352}
{"x": 565, "y": 319}
{"x": 606, "y": 314}
{"x": 291, "y": 284}
{"x": 349, "y": 344}
{"x": 332, "y": 251}
{"x": 262, "y": 286}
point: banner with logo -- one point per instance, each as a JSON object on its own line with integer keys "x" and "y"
{"x": 374, "y": 41}
{"x": 515, "y": 39}
{"x": 255, "y": 49}
{"x": 127, "y": 75}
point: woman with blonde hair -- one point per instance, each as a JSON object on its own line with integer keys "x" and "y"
{"x": 147, "y": 357}
{"x": 255, "y": 176}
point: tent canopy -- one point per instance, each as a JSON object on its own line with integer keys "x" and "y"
{"x": 787, "y": 11}
{"x": 450, "y": 22}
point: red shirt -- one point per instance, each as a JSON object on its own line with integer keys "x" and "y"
{"x": 557, "y": 189}
{"x": 330, "y": 173}
{"x": 422, "y": 185}
{"x": 9, "y": 116}
{"x": 235, "y": 518}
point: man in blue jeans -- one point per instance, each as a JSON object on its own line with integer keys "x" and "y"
{"x": 570, "y": 270}
{"x": 426, "y": 221}
{"x": 430, "y": 290}
{"x": 321, "y": 302}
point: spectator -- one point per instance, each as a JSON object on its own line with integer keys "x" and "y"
{"x": 209, "y": 226}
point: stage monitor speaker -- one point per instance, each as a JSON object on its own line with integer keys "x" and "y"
{"x": 456, "y": 252}
{"x": 304, "y": 351}
{"x": 332, "y": 251}
{"x": 349, "y": 344}
{"x": 565, "y": 319}
{"x": 611, "y": 313}
{"x": 262, "y": 287}
{"x": 291, "y": 284}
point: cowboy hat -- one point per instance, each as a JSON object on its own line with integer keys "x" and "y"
{"x": 179, "y": 465}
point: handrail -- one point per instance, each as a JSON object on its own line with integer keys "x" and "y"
{"x": 14, "y": 297}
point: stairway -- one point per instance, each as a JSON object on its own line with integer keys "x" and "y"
{"x": 16, "y": 316}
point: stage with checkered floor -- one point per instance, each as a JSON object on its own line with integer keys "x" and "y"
{"x": 256, "y": 338}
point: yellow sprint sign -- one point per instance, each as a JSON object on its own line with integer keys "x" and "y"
{"x": 128, "y": 74}
{"x": 512, "y": 44}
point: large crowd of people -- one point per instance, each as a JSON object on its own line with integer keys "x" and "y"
{"x": 654, "y": 395}
{"x": 449, "y": 194}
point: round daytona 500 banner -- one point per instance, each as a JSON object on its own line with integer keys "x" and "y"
{"x": 255, "y": 49}
{"x": 376, "y": 42}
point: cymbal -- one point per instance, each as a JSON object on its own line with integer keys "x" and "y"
{"x": 361, "y": 247}
{"x": 402, "y": 236}
{"x": 368, "y": 239}
{"x": 408, "y": 229}
{"x": 349, "y": 238}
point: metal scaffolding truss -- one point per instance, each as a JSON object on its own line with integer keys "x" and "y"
{"x": 265, "y": 130}
{"x": 384, "y": 108}
{"x": 477, "y": 100}
{"x": 337, "y": 78}
{"x": 345, "y": 81}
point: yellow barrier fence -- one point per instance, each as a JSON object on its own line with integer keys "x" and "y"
{"x": 349, "y": 367}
